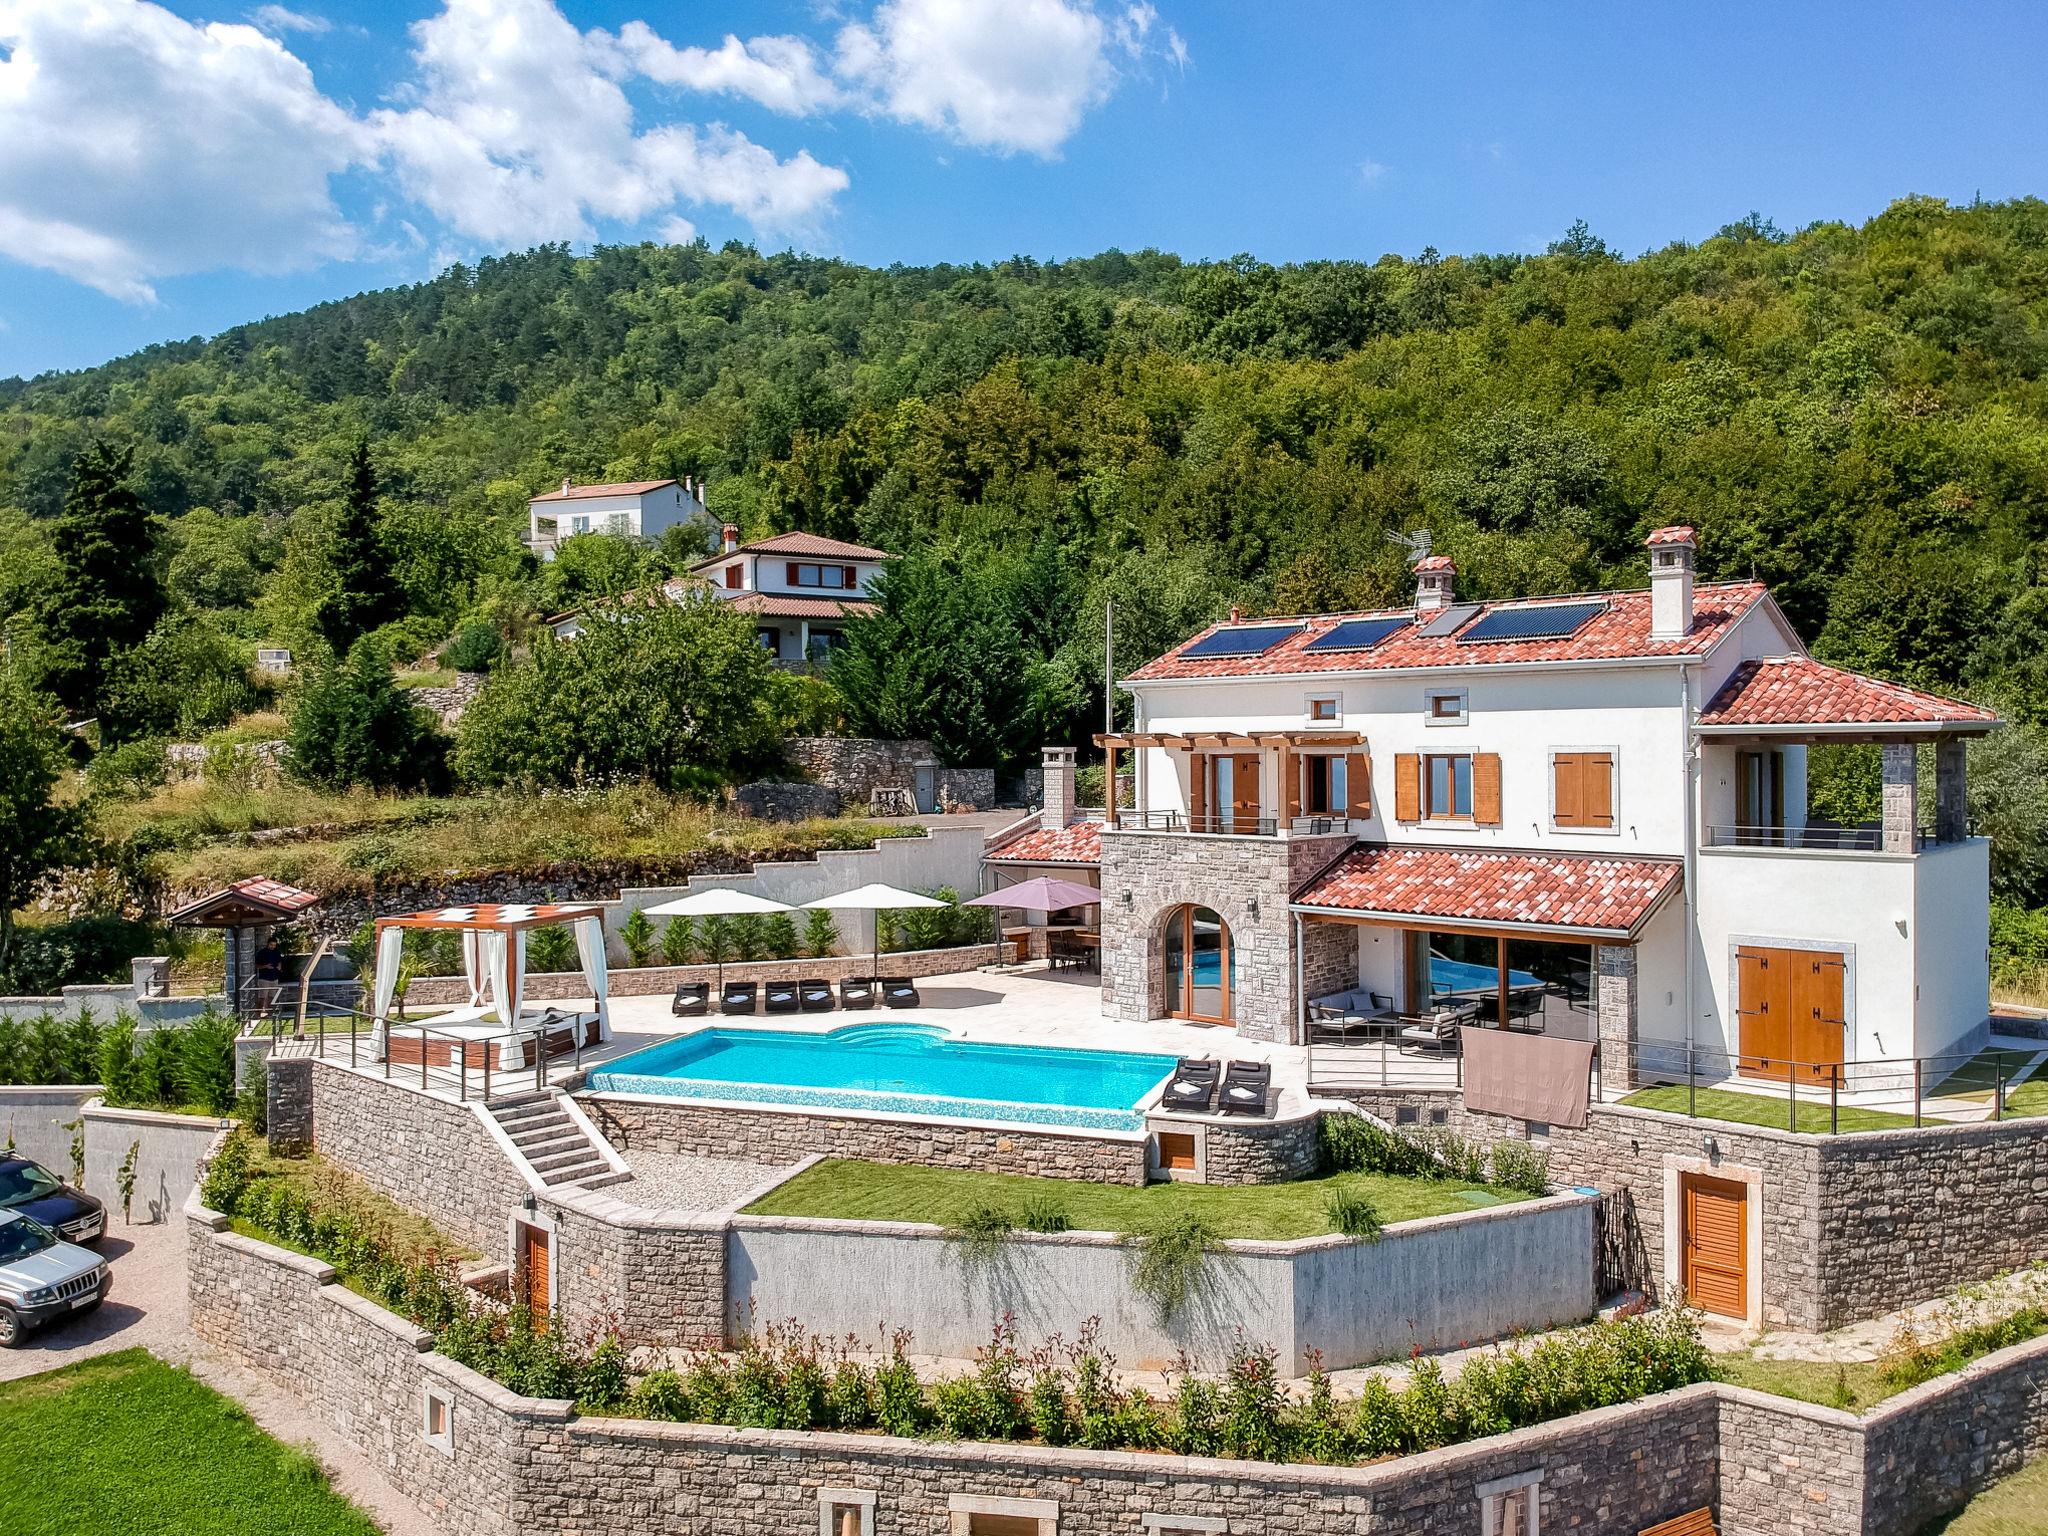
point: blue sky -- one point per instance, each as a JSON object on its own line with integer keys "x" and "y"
{"x": 161, "y": 177}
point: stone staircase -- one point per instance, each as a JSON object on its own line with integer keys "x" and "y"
{"x": 558, "y": 1149}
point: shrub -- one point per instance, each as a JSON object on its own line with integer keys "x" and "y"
{"x": 749, "y": 942}
{"x": 204, "y": 1069}
{"x": 1377, "y": 1424}
{"x": 475, "y": 646}
{"x": 1173, "y": 1261}
{"x": 353, "y": 726}
{"x": 1520, "y": 1166}
{"x": 1252, "y": 1402}
{"x": 1320, "y": 1433}
{"x": 227, "y": 1176}
{"x": 849, "y": 1395}
{"x": 778, "y": 936}
{"x": 1425, "y": 1407}
{"x": 1043, "y": 1213}
{"x": 48, "y": 1050}
{"x": 120, "y": 1071}
{"x": 1351, "y": 1213}
{"x": 550, "y": 949}
{"x": 979, "y": 1235}
{"x": 604, "y": 1387}
{"x": 679, "y": 940}
{"x": 132, "y": 768}
{"x": 821, "y": 934}
{"x": 637, "y": 934}
{"x": 899, "y": 1399}
{"x": 717, "y": 939}
{"x": 660, "y": 1395}
{"x": 1194, "y": 1426}
{"x": 1354, "y": 1144}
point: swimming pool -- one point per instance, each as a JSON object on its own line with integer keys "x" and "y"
{"x": 896, "y": 1068}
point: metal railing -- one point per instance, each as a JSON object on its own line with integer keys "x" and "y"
{"x": 1949, "y": 1087}
{"x": 337, "y": 1033}
{"x": 256, "y": 998}
{"x": 1180, "y": 821}
{"x": 1808, "y": 839}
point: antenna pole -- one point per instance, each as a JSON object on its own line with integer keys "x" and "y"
{"x": 1109, "y": 667}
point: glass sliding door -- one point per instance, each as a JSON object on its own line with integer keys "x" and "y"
{"x": 1200, "y": 965}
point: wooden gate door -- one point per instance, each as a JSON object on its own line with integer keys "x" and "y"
{"x": 1789, "y": 1012}
{"x": 1244, "y": 793}
{"x": 1714, "y": 1243}
{"x": 534, "y": 1260}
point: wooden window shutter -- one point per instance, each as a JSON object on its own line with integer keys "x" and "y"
{"x": 732, "y": 578}
{"x": 791, "y": 573}
{"x": 1486, "y": 788}
{"x": 1568, "y": 792}
{"x": 846, "y": 577}
{"x": 1358, "y": 783}
{"x": 1596, "y": 788}
{"x": 1407, "y": 786}
{"x": 1198, "y": 789}
{"x": 1290, "y": 781}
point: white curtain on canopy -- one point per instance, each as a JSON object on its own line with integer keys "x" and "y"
{"x": 590, "y": 950}
{"x": 472, "y": 967}
{"x": 515, "y": 974}
{"x": 390, "y": 947}
{"x": 490, "y": 959}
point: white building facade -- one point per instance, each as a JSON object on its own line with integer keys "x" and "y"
{"x": 634, "y": 509}
{"x": 801, "y": 589}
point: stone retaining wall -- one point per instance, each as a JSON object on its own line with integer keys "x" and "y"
{"x": 1246, "y": 1151}
{"x": 658, "y": 1277}
{"x": 657, "y": 980}
{"x": 632, "y": 1121}
{"x": 429, "y": 1155}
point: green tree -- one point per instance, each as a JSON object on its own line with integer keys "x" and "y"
{"x": 365, "y": 593}
{"x": 37, "y": 834}
{"x": 107, "y": 593}
{"x": 352, "y": 726}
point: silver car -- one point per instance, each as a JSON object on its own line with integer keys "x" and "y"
{"x": 43, "y": 1278}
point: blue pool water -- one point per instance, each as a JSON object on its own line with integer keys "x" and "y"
{"x": 903, "y": 1068}
{"x": 1463, "y": 976}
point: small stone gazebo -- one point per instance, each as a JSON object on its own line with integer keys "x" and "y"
{"x": 246, "y": 912}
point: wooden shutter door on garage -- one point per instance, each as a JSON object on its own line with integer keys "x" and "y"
{"x": 1788, "y": 1009}
{"x": 1715, "y": 1242}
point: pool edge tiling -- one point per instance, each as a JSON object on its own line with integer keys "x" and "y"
{"x": 945, "y": 1106}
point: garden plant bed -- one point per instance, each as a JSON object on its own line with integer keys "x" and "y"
{"x": 849, "y": 1190}
{"x": 127, "y": 1444}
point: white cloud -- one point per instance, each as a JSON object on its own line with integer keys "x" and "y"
{"x": 1020, "y": 75}
{"x": 519, "y": 134}
{"x": 1371, "y": 172}
{"x": 783, "y": 74}
{"x": 277, "y": 20}
{"x": 136, "y": 145}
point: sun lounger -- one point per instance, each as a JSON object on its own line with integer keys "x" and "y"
{"x": 782, "y": 997}
{"x": 1246, "y": 1087}
{"x": 857, "y": 992}
{"x": 693, "y": 999}
{"x": 815, "y": 993}
{"x": 738, "y": 997}
{"x": 1192, "y": 1085}
{"x": 900, "y": 992}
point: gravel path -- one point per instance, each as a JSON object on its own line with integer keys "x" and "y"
{"x": 669, "y": 1181}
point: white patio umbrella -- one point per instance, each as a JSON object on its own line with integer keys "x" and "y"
{"x": 719, "y": 901}
{"x": 875, "y": 898}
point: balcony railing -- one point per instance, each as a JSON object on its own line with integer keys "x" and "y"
{"x": 1808, "y": 839}
{"x": 1181, "y": 821}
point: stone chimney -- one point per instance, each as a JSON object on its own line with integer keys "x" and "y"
{"x": 1434, "y": 575}
{"x": 1671, "y": 554}
{"x": 1059, "y": 788}
{"x": 565, "y": 485}
{"x": 731, "y": 533}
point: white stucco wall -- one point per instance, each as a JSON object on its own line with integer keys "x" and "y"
{"x": 1951, "y": 933}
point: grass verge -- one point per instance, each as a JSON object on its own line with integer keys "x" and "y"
{"x": 124, "y": 1444}
{"x": 856, "y": 1191}
{"x": 2016, "y": 1507}
{"x": 1739, "y": 1108}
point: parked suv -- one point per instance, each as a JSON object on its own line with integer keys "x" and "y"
{"x": 43, "y": 1278}
{"x": 30, "y": 1188}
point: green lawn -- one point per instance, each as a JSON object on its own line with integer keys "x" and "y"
{"x": 2016, "y": 1507}
{"x": 857, "y": 1191}
{"x": 1739, "y": 1108}
{"x": 1977, "y": 1077}
{"x": 1807, "y": 1380}
{"x": 124, "y": 1445}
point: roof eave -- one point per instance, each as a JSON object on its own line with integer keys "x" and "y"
{"x": 1568, "y": 664}
{"x": 1861, "y": 728}
{"x": 1424, "y": 919}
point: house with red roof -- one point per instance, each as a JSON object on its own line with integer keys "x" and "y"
{"x": 1582, "y": 816}
{"x": 801, "y": 589}
{"x": 635, "y": 509}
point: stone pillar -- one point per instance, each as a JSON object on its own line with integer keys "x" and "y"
{"x": 1059, "y": 788}
{"x": 288, "y": 1105}
{"x": 1901, "y": 796}
{"x": 1951, "y": 792}
{"x": 1614, "y": 1003}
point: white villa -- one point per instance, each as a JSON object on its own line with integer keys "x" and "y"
{"x": 1577, "y": 815}
{"x": 639, "y": 509}
{"x": 800, "y": 588}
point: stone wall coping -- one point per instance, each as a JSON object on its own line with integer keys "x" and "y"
{"x": 55, "y": 1090}
{"x": 1913, "y": 1399}
{"x": 1841, "y": 1143}
{"x": 283, "y": 1258}
{"x": 100, "y": 1111}
{"x": 884, "y": 1117}
{"x": 1246, "y": 1247}
{"x": 596, "y": 1205}
{"x": 1312, "y": 1109}
{"x": 502, "y": 1398}
{"x": 368, "y": 1311}
{"x": 1793, "y": 1407}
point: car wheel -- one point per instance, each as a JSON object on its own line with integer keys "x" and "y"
{"x": 11, "y": 1331}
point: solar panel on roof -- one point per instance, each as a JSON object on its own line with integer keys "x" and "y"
{"x": 1548, "y": 621}
{"x": 1451, "y": 620}
{"x": 1359, "y": 634}
{"x": 1241, "y": 640}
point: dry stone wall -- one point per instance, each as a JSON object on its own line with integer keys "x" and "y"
{"x": 681, "y": 1125}
{"x": 658, "y": 1277}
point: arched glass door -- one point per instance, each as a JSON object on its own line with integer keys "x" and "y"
{"x": 1201, "y": 966}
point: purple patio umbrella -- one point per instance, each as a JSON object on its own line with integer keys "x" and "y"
{"x": 1046, "y": 893}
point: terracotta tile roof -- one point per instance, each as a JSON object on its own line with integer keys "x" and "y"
{"x": 1796, "y": 690}
{"x": 1436, "y": 563}
{"x": 1079, "y": 842}
{"x": 1621, "y": 633}
{"x": 775, "y": 606}
{"x": 798, "y": 543}
{"x": 616, "y": 488}
{"x": 1677, "y": 533}
{"x": 252, "y": 893}
{"x": 1549, "y": 890}
{"x": 275, "y": 892}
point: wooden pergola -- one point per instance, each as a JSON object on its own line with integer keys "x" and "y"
{"x": 1289, "y": 743}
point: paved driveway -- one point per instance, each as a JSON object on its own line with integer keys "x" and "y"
{"x": 148, "y": 1309}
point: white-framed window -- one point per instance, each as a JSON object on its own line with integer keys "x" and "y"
{"x": 1508, "y": 1506}
{"x": 972, "y": 1514}
{"x": 1323, "y": 708}
{"x": 437, "y": 1420}
{"x": 579, "y": 525}
{"x": 1444, "y": 706}
{"x": 846, "y": 1512}
{"x": 1447, "y": 786}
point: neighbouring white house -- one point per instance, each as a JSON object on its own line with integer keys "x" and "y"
{"x": 1580, "y": 815}
{"x": 639, "y": 509}
{"x": 801, "y": 589}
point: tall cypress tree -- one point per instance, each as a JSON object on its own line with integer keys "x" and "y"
{"x": 108, "y": 592}
{"x": 365, "y": 595}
